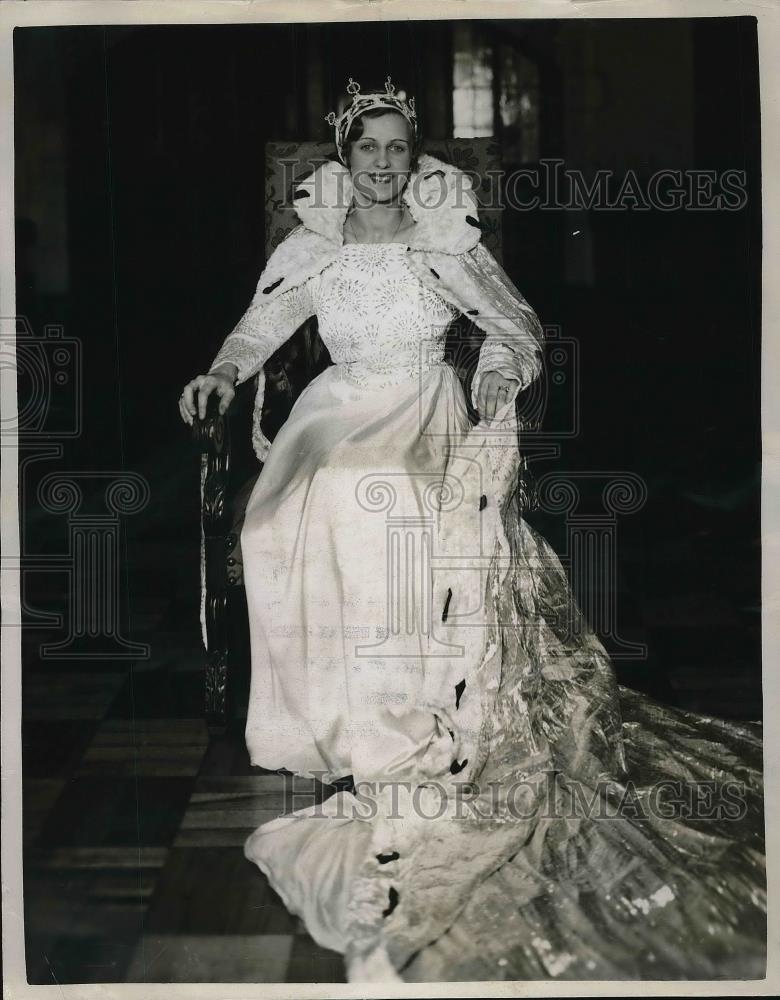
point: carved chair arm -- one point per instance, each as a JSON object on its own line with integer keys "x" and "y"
{"x": 212, "y": 436}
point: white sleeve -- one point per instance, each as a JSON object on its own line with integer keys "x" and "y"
{"x": 264, "y": 327}
{"x": 514, "y": 339}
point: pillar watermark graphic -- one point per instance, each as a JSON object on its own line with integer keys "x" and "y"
{"x": 92, "y": 562}
{"x": 547, "y": 413}
{"x": 48, "y": 368}
{"x": 410, "y": 540}
{"x": 590, "y": 557}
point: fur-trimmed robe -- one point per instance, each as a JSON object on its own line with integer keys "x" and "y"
{"x": 445, "y": 252}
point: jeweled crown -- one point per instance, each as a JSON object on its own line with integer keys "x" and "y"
{"x": 365, "y": 102}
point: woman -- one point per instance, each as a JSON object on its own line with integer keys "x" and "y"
{"x": 501, "y": 813}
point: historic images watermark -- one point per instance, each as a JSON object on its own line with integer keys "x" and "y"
{"x": 550, "y": 185}
{"x": 548, "y": 794}
{"x": 49, "y": 371}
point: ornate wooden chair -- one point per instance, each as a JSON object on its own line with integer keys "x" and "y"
{"x": 228, "y": 465}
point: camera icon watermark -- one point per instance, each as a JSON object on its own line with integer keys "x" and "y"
{"x": 547, "y": 408}
{"x": 48, "y": 370}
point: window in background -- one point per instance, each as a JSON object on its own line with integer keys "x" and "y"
{"x": 473, "y": 106}
{"x": 519, "y": 106}
{"x": 495, "y": 92}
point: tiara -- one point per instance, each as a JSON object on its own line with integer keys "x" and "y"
{"x": 364, "y": 102}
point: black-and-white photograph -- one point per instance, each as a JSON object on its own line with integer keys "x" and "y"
{"x": 389, "y": 464}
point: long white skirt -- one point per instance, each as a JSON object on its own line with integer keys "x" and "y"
{"x": 410, "y": 629}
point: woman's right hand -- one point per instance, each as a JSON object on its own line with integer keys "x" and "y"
{"x": 203, "y": 386}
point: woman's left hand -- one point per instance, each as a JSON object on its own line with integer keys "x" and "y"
{"x": 495, "y": 390}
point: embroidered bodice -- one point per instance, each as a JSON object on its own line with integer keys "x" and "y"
{"x": 376, "y": 317}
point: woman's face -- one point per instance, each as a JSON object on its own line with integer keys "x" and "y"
{"x": 380, "y": 159}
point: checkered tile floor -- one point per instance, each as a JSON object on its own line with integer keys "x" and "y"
{"x": 134, "y": 819}
{"x": 133, "y": 832}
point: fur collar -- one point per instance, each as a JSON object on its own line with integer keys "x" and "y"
{"x": 439, "y": 197}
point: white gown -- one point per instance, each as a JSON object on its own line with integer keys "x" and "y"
{"x": 329, "y": 694}
{"x": 400, "y": 634}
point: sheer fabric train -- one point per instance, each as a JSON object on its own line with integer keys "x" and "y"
{"x": 411, "y": 629}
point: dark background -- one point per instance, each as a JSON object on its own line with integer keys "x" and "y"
{"x": 139, "y": 200}
{"x": 140, "y": 231}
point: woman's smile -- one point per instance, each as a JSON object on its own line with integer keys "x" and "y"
{"x": 380, "y": 158}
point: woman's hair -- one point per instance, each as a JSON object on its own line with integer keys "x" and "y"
{"x": 357, "y": 127}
